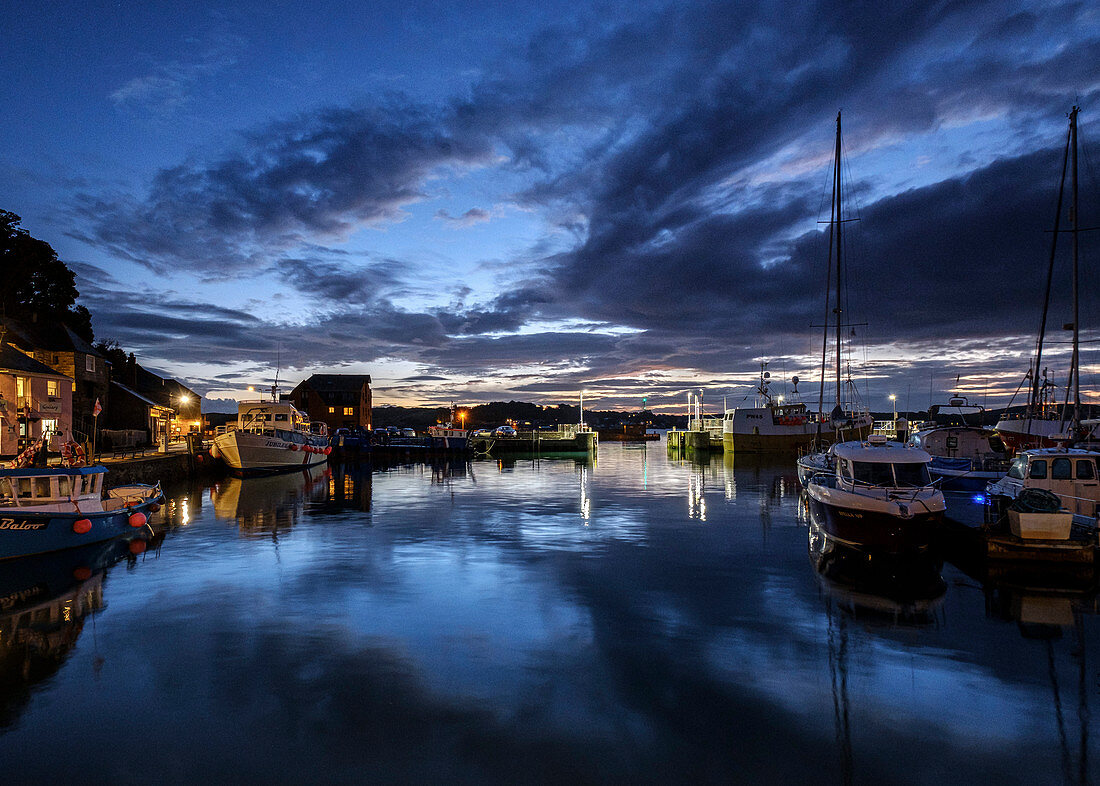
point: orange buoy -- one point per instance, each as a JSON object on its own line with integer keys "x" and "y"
{"x": 137, "y": 519}
{"x": 82, "y": 573}
{"x": 328, "y": 450}
{"x": 82, "y": 526}
{"x": 137, "y": 546}
{"x": 294, "y": 447}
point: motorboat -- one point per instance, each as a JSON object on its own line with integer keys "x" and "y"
{"x": 879, "y": 495}
{"x": 271, "y": 436}
{"x": 449, "y": 435}
{"x": 53, "y": 508}
{"x": 1072, "y": 474}
{"x": 965, "y": 455}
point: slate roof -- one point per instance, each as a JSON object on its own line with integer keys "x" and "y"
{"x": 11, "y": 359}
{"x": 338, "y": 383}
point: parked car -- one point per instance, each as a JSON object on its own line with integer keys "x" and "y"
{"x": 504, "y": 431}
{"x": 408, "y": 432}
{"x": 482, "y": 433}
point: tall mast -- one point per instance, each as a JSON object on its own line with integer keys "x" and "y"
{"x": 1035, "y": 404}
{"x": 1074, "y": 363}
{"x": 839, "y": 219}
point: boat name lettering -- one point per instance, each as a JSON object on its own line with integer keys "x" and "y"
{"x": 755, "y": 417}
{"x": 12, "y": 524}
{"x": 848, "y": 515}
{"x": 13, "y": 599}
{"x": 274, "y": 444}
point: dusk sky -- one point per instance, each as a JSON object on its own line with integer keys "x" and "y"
{"x": 496, "y": 201}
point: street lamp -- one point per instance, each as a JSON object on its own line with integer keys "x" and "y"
{"x": 893, "y": 406}
{"x": 582, "y": 411}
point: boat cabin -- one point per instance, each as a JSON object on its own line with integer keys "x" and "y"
{"x": 270, "y": 417}
{"x": 881, "y": 463}
{"x": 51, "y": 489}
{"x": 1071, "y": 474}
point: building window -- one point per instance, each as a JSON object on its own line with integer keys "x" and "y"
{"x": 89, "y": 363}
{"x": 52, "y": 386}
{"x": 349, "y": 410}
{"x": 332, "y": 410}
{"x": 21, "y": 387}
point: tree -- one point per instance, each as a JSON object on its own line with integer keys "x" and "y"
{"x": 33, "y": 281}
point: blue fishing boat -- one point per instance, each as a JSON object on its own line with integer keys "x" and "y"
{"x": 53, "y": 508}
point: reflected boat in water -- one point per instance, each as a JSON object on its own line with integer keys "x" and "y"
{"x": 904, "y": 589}
{"x": 44, "y": 601}
{"x": 270, "y": 502}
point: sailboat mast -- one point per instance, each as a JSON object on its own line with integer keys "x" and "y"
{"x": 838, "y": 220}
{"x": 1035, "y": 404}
{"x": 1074, "y": 364}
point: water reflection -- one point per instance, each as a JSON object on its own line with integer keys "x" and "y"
{"x": 44, "y": 602}
{"x": 899, "y": 589}
{"x": 270, "y": 504}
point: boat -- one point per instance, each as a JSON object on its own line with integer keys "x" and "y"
{"x": 849, "y": 419}
{"x": 54, "y": 508}
{"x": 448, "y": 436}
{"x": 770, "y": 425}
{"x": 878, "y": 496}
{"x": 1069, "y": 472}
{"x": 965, "y": 455}
{"x": 1073, "y": 474}
{"x": 1044, "y": 423}
{"x": 271, "y": 436}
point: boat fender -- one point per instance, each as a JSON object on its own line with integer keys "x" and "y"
{"x": 328, "y": 450}
{"x": 137, "y": 519}
{"x": 82, "y": 526}
{"x": 83, "y": 573}
{"x": 294, "y": 447}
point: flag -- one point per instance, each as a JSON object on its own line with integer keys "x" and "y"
{"x": 96, "y": 409}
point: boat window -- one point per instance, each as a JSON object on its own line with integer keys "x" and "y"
{"x": 280, "y": 416}
{"x": 1086, "y": 469}
{"x": 873, "y": 472}
{"x": 42, "y": 487}
{"x": 1018, "y": 468}
{"x": 64, "y": 487}
{"x": 24, "y": 487}
{"x": 1061, "y": 469}
{"x": 5, "y": 491}
{"x": 1038, "y": 470}
{"x": 912, "y": 474}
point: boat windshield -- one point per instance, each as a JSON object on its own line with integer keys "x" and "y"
{"x": 1018, "y": 468}
{"x": 875, "y": 473}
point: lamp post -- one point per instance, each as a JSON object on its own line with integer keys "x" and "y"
{"x": 582, "y": 411}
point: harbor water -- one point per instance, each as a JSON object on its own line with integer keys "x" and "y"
{"x": 627, "y": 618}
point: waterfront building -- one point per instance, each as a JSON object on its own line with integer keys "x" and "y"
{"x": 35, "y": 401}
{"x": 58, "y": 347}
{"x": 337, "y": 400}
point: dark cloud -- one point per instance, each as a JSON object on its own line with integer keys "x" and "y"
{"x": 644, "y": 140}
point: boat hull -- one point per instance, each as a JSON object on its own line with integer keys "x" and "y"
{"x": 875, "y": 530}
{"x": 24, "y": 533}
{"x": 248, "y": 453}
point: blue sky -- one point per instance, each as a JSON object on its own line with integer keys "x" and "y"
{"x": 519, "y": 201}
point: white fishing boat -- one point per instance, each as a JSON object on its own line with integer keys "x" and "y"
{"x": 770, "y": 425}
{"x": 449, "y": 435}
{"x": 878, "y": 496}
{"x": 1072, "y": 474}
{"x": 271, "y": 436}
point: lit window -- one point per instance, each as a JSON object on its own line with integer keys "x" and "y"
{"x": 332, "y": 410}
{"x": 52, "y": 386}
{"x": 349, "y": 410}
{"x": 21, "y": 387}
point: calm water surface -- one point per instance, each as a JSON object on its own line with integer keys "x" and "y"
{"x": 632, "y": 618}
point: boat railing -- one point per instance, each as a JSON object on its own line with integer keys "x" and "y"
{"x": 888, "y": 428}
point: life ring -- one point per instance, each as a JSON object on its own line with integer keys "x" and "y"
{"x": 72, "y": 454}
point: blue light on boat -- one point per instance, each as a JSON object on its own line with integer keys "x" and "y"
{"x": 979, "y": 499}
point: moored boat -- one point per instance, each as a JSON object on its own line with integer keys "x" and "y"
{"x": 965, "y": 455}
{"x": 770, "y": 425}
{"x": 878, "y": 495}
{"x": 54, "y": 508}
{"x": 272, "y": 436}
{"x": 1072, "y": 474}
{"x": 448, "y": 436}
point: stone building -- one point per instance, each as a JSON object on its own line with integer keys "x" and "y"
{"x": 35, "y": 401}
{"x": 338, "y": 400}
